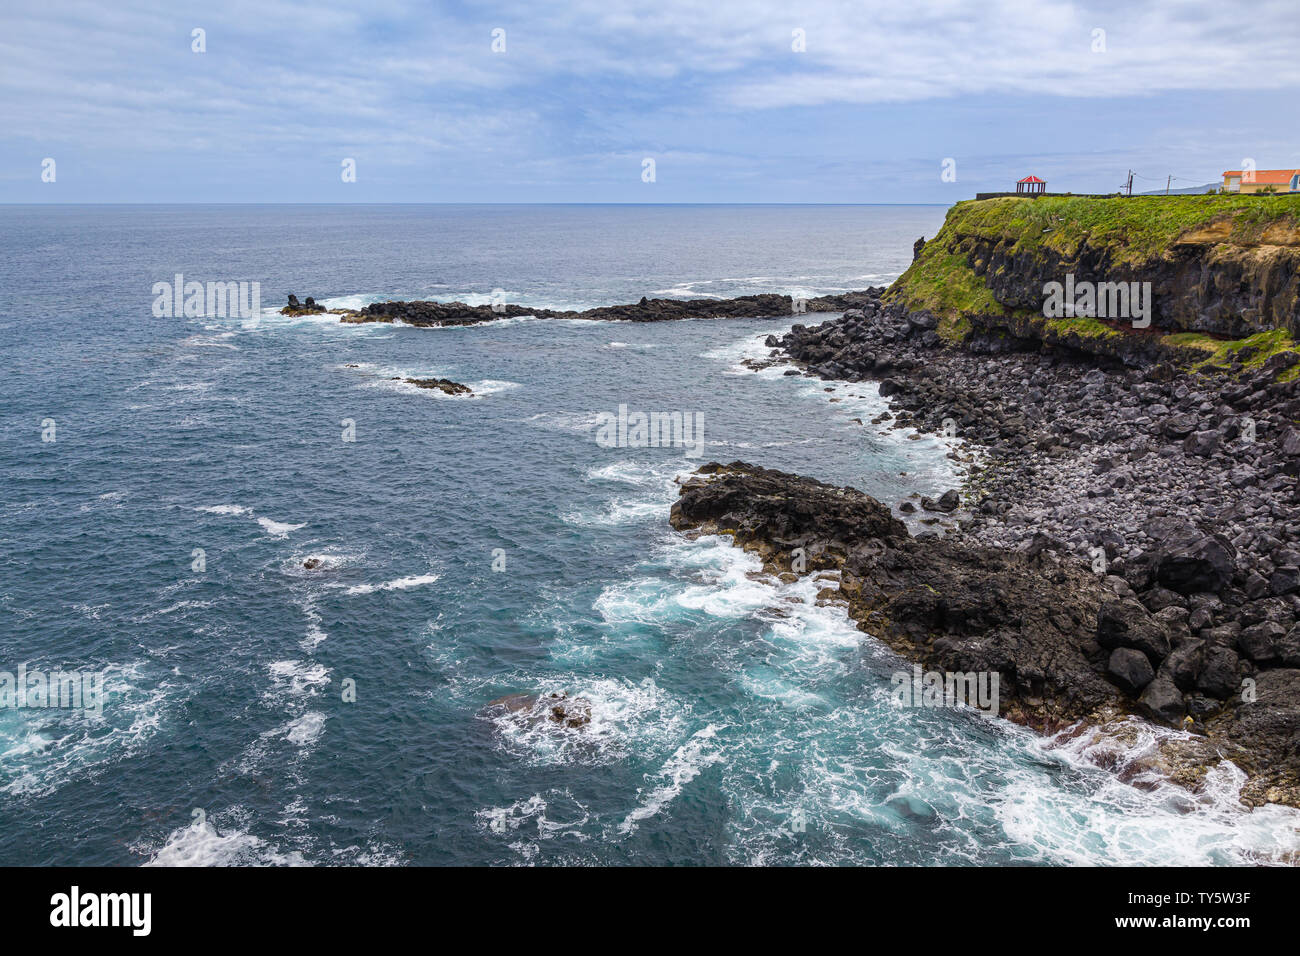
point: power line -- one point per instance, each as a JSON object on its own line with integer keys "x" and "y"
{"x": 1156, "y": 179}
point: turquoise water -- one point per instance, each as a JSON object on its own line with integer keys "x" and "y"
{"x": 733, "y": 719}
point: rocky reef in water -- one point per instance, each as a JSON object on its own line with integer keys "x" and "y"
{"x": 425, "y": 313}
{"x": 572, "y": 713}
{"x": 444, "y": 385}
{"x": 310, "y": 307}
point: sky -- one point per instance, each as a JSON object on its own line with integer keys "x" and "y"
{"x": 651, "y": 101}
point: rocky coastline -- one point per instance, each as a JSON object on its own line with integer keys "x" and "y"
{"x": 1073, "y": 649}
{"x": 1127, "y": 544}
{"x": 444, "y": 385}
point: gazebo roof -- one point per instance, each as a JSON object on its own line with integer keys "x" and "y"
{"x": 1031, "y": 179}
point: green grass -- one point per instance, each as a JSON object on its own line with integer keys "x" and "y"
{"x": 953, "y": 329}
{"x": 1134, "y": 230}
{"x": 944, "y": 284}
{"x": 1084, "y": 327}
{"x": 1219, "y": 352}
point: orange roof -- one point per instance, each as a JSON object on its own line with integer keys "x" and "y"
{"x": 1031, "y": 179}
{"x": 1269, "y": 177}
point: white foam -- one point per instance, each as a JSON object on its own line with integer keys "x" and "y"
{"x": 751, "y": 347}
{"x": 529, "y": 821}
{"x": 657, "y": 484}
{"x": 732, "y": 585}
{"x": 553, "y": 421}
{"x": 689, "y": 290}
{"x": 206, "y": 341}
{"x": 641, "y": 601}
{"x": 397, "y": 584}
{"x": 501, "y": 819}
{"x": 394, "y": 379}
{"x": 330, "y": 558}
{"x": 278, "y": 529}
{"x": 1156, "y": 823}
{"x": 615, "y": 513}
{"x": 625, "y": 718}
{"x": 172, "y": 609}
{"x": 41, "y": 749}
{"x": 225, "y": 509}
{"x": 353, "y": 303}
{"x": 200, "y": 844}
{"x": 306, "y": 730}
{"x": 491, "y": 386}
{"x": 815, "y": 639}
{"x": 633, "y": 473}
{"x": 315, "y": 634}
{"x": 729, "y": 588}
{"x": 297, "y": 678}
{"x": 686, "y": 763}
{"x": 636, "y": 346}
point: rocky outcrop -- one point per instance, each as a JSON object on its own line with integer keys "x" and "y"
{"x": 425, "y": 313}
{"x": 945, "y": 604}
{"x": 1067, "y": 642}
{"x": 444, "y": 385}
{"x": 776, "y": 512}
{"x": 310, "y": 307}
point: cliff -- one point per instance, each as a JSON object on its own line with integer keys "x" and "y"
{"x": 1224, "y": 273}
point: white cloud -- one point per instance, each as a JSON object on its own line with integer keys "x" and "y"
{"x": 409, "y": 83}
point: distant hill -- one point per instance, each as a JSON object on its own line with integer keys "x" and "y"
{"x": 1186, "y": 191}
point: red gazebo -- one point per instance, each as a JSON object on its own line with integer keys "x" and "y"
{"x": 1031, "y": 185}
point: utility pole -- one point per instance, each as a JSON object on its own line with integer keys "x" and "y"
{"x": 1129, "y": 188}
{"x": 1168, "y": 183}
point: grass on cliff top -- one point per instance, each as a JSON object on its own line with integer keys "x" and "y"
{"x": 1134, "y": 229}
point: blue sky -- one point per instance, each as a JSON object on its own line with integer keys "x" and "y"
{"x": 713, "y": 91}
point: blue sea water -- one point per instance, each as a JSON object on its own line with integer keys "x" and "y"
{"x": 734, "y": 719}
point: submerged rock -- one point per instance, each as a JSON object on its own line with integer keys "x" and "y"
{"x": 570, "y": 712}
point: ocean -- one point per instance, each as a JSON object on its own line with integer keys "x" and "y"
{"x": 470, "y": 548}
